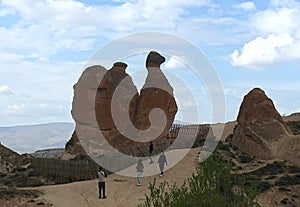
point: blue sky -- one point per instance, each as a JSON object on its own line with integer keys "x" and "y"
{"x": 44, "y": 45}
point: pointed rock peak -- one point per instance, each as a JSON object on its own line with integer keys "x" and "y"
{"x": 257, "y": 105}
{"x": 120, "y": 65}
{"x": 256, "y": 90}
{"x": 154, "y": 59}
{"x": 260, "y": 127}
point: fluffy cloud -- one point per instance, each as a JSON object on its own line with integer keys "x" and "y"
{"x": 5, "y": 90}
{"x": 46, "y": 27}
{"x": 263, "y": 51}
{"x": 174, "y": 63}
{"x": 14, "y": 109}
{"x": 279, "y": 37}
{"x": 247, "y": 6}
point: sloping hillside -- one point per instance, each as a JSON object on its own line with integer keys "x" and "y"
{"x": 29, "y": 138}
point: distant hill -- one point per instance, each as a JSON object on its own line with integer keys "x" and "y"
{"x": 29, "y": 138}
{"x": 49, "y": 153}
{"x": 292, "y": 117}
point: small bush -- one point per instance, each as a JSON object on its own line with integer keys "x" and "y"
{"x": 263, "y": 186}
{"x": 8, "y": 192}
{"x": 293, "y": 169}
{"x": 222, "y": 146}
{"x": 283, "y": 189}
{"x": 21, "y": 180}
{"x": 271, "y": 177}
{"x": 288, "y": 180}
{"x": 245, "y": 158}
{"x": 270, "y": 169}
{"x": 284, "y": 201}
{"x": 295, "y": 126}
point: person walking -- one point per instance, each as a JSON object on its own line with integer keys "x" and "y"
{"x": 101, "y": 182}
{"x": 162, "y": 160}
{"x": 151, "y": 151}
{"x": 139, "y": 171}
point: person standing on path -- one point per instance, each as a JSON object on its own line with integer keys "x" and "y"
{"x": 162, "y": 160}
{"x": 139, "y": 171}
{"x": 101, "y": 182}
{"x": 151, "y": 151}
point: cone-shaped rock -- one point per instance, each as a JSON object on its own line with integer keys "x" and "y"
{"x": 260, "y": 129}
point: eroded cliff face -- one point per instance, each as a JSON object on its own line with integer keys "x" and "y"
{"x": 107, "y": 102}
{"x": 261, "y": 131}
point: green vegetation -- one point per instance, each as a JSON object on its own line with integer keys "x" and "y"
{"x": 295, "y": 126}
{"x": 20, "y": 180}
{"x": 245, "y": 158}
{"x": 288, "y": 180}
{"x": 8, "y": 192}
{"x": 274, "y": 168}
{"x": 213, "y": 185}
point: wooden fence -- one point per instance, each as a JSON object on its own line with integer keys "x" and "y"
{"x": 64, "y": 171}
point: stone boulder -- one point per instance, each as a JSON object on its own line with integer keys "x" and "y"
{"x": 260, "y": 130}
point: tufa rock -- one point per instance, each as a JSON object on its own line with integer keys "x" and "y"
{"x": 100, "y": 92}
{"x": 260, "y": 130}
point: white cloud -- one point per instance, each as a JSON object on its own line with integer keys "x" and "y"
{"x": 278, "y": 38}
{"x": 247, "y": 6}
{"x": 34, "y": 85}
{"x": 189, "y": 105}
{"x": 5, "y": 90}
{"x": 14, "y": 109}
{"x": 46, "y": 27}
{"x": 174, "y": 63}
{"x": 262, "y": 51}
{"x": 277, "y": 21}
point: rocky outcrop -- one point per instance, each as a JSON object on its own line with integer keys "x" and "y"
{"x": 48, "y": 153}
{"x": 107, "y": 102}
{"x": 156, "y": 93}
{"x": 262, "y": 132}
{"x": 10, "y": 160}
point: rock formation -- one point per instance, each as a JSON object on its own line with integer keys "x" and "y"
{"x": 261, "y": 131}
{"x": 9, "y": 160}
{"x": 156, "y": 93}
{"x": 114, "y": 107}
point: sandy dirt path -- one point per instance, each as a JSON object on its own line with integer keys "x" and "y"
{"x": 121, "y": 191}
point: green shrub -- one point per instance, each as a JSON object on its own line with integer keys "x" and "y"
{"x": 211, "y": 186}
{"x": 222, "y": 147}
{"x": 21, "y": 180}
{"x": 288, "y": 180}
{"x": 8, "y": 192}
{"x": 274, "y": 168}
{"x": 245, "y": 158}
{"x": 295, "y": 126}
{"x": 294, "y": 169}
{"x": 263, "y": 186}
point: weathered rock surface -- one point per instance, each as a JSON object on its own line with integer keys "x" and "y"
{"x": 9, "y": 160}
{"x": 156, "y": 93}
{"x": 108, "y": 101}
{"x": 262, "y": 132}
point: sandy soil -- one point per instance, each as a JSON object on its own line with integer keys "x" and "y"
{"x": 121, "y": 191}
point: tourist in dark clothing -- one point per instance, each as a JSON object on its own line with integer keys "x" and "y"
{"x": 101, "y": 182}
{"x": 151, "y": 151}
{"x": 162, "y": 160}
{"x": 139, "y": 171}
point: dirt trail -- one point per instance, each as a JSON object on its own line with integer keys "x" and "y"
{"x": 121, "y": 191}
